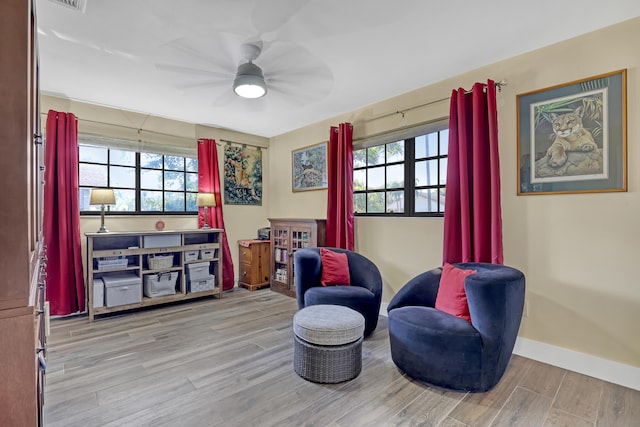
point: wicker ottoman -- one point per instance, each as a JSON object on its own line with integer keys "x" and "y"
{"x": 327, "y": 343}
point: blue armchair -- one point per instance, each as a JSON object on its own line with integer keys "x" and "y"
{"x": 364, "y": 295}
{"x": 447, "y": 351}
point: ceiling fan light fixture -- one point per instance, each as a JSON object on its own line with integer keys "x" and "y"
{"x": 249, "y": 81}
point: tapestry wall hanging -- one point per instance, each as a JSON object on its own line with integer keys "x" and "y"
{"x": 242, "y": 175}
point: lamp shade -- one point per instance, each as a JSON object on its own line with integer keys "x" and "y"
{"x": 102, "y": 196}
{"x": 249, "y": 81}
{"x": 206, "y": 199}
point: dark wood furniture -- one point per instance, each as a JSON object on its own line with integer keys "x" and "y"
{"x": 22, "y": 261}
{"x": 254, "y": 256}
{"x": 287, "y": 236}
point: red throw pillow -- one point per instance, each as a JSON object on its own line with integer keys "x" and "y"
{"x": 335, "y": 268}
{"x": 452, "y": 297}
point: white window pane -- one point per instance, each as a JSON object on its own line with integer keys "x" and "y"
{"x": 125, "y": 201}
{"x": 150, "y": 179}
{"x": 426, "y": 172}
{"x": 443, "y": 171}
{"x": 395, "y": 176}
{"x": 375, "y": 203}
{"x": 174, "y": 163}
{"x": 192, "y": 164}
{"x": 444, "y": 142}
{"x": 360, "y": 203}
{"x": 359, "y": 179}
{"x": 173, "y": 202}
{"x": 151, "y": 201}
{"x": 122, "y": 157}
{"x": 192, "y": 182}
{"x": 432, "y": 144}
{"x": 360, "y": 158}
{"x": 428, "y": 201}
{"x": 122, "y": 177}
{"x": 191, "y": 202}
{"x": 375, "y": 155}
{"x": 84, "y": 197}
{"x": 92, "y": 175}
{"x": 421, "y": 146}
{"x": 174, "y": 181}
{"x": 150, "y": 160}
{"x": 395, "y": 201}
{"x": 375, "y": 178}
{"x": 395, "y": 152}
{"x": 92, "y": 154}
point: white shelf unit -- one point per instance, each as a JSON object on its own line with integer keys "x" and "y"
{"x": 132, "y": 246}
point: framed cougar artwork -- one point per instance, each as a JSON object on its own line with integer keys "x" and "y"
{"x": 572, "y": 138}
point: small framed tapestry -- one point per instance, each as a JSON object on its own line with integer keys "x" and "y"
{"x": 572, "y": 138}
{"x": 309, "y": 168}
{"x": 242, "y": 175}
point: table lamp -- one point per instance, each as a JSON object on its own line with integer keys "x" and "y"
{"x": 205, "y": 200}
{"x": 102, "y": 196}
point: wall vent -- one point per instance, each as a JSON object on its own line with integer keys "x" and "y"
{"x": 78, "y": 5}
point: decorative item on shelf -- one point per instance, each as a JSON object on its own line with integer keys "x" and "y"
{"x": 205, "y": 200}
{"x": 102, "y": 196}
{"x": 160, "y": 225}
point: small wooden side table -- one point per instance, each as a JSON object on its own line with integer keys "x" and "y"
{"x": 254, "y": 256}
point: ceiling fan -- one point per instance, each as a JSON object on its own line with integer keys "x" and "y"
{"x": 249, "y": 81}
{"x": 234, "y": 69}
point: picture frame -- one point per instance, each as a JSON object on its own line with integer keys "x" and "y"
{"x": 572, "y": 138}
{"x": 309, "y": 168}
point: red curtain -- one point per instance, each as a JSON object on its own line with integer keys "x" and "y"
{"x": 472, "y": 214}
{"x": 209, "y": 182}
{"x": 339, "y": 233}
{"x": 61, "y": 216}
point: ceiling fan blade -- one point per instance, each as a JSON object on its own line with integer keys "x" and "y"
{"x": 268, "y": 17}
{"x": 194, "y": 71}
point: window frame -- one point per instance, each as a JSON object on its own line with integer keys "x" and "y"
{"x": 408, "y": 136}
{"x": 138, "y": 168}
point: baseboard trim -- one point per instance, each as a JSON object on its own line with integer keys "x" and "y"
{"x": 603, "y": 369}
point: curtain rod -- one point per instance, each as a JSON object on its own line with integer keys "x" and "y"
{"x": 160, "y": 133}
{"x": 499, "y": 85}
{"x": 126, "y": 127}
{"x": 227, "y": 141}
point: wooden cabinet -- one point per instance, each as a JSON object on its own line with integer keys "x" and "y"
{"x": 287, "y": 236}
{"x": 149, "y": 255}
{"x": 254, "y": 263}
{"x": 22, "y": 261}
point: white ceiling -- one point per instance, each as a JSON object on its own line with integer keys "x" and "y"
{"x": 321, "y": 58}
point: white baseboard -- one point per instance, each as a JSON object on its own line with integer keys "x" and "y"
{"x": 606, "y": 370}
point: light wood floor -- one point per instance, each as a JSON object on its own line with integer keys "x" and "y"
{"x": 228, "y": 362}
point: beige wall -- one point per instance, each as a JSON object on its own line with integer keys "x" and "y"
{"x": 578, "y": 251}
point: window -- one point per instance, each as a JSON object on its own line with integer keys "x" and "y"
{"x": 143, "y": 182}
{"x": 403, "y": 177}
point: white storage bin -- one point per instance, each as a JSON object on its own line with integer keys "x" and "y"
{"x": 198, "y": 270}
{"x": 207, "y": 253}
{"x": 122, "y": 289}
{"x": 156, "y": 285}
{"x": 161, "y": 240}
{"x": 191, "y": 255}
{"x": 98, "y": 293}
{"x": 202, "y": 284}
